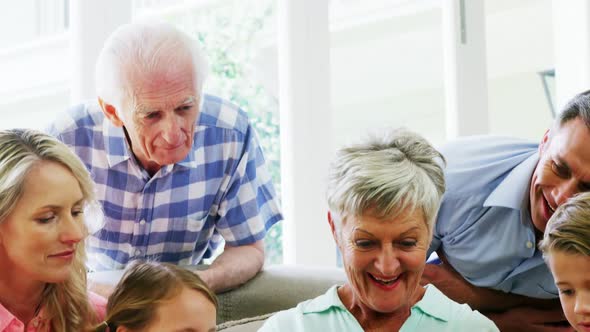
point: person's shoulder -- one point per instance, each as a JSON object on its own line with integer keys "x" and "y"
{"x": 474, "y": 163}
{"x": 301, "y": 317}
{"x": 479, "y": 149}
{"x": 467, "y": 319}
{"x": 284, "y": 320}
{"x": 220, "y": 113}
{"x": 85, "y": 115}
{"x": 459, "y": 317}
{"x": 99, "y": 304}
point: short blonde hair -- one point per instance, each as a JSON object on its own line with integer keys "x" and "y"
{"x": 389, "y": 172}
{"x": 568, "y": 230}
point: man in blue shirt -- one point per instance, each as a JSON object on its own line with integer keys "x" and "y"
{"x": 500, "y": 194}
{"x": 177, "y": 171}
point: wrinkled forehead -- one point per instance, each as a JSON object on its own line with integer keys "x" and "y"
{"x": 163, "y": 89}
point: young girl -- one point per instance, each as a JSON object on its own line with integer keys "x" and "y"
{"x": 566, "y": 248}
{"x": 45, "y": 190}
{"x": 155, "y": 296}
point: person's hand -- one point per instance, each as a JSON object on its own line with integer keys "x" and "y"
{"x": 453, "y": 285}
{"x": 527, "y": 319}
{"x": 449, "y": 281}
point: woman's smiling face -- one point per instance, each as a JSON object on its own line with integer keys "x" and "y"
{"x": 384, "y": 258}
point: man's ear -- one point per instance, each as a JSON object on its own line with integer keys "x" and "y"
{"x": 110, "y": 112}
{"x": 544, "y": 140}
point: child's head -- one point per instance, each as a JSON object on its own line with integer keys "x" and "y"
{"x": 566, "y": 248}
{"x": 155, "y": 296}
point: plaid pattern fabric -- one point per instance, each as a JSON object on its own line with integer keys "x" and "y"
{"x": 220, "y": 191}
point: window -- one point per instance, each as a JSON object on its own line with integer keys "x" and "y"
{"x": 32, "y": 36}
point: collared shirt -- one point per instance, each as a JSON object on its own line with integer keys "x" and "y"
{"x": 484, "y": 226}
{"x": 9, "y": 323}
{"x": 434, "y": 312}
{"x": 221, "y": 190}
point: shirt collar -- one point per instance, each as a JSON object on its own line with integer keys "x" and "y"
{"x": 115, "y": 143}
{"x": 7, "y": 318}
{"x": 429, "y": 304}
{"x": 513, "y": 191}
{"x": 324, "y": 302}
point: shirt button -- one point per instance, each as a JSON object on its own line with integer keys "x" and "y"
{"x": 142, "y": 222}
{"x": 529, "y": 244}
{"x": 137, "y": 252}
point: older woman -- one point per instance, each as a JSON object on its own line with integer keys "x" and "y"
{"x": 44, "y": 192}
{"x": 383, "y": 196}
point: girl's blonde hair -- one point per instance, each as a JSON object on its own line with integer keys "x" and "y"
{"x": 143, "y": 288}
{"x": 568, "y": 230}
{"x": 66, "y": 303}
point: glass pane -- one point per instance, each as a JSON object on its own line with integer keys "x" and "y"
{"x": 27, "y": 20}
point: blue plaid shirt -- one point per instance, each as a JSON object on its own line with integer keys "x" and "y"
{"x": 221, "y": 190}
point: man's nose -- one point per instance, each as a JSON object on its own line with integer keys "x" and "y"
{"x": 172, "y": 132}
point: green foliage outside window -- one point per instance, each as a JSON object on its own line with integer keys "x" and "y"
{"x": 230, "y": 33}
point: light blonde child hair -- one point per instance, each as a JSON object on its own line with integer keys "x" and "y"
{"x": 568, "y": 230}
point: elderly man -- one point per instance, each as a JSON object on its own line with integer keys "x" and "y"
{"x": 177, "y": 171}
{"x": 500, "y": 194}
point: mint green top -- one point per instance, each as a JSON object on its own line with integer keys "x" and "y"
{"x": 435, "y": 312}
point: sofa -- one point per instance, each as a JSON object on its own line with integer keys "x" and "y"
{"x": 275, "y": 288}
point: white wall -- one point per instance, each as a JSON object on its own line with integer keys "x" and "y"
{"x": 389, "y": 73}
{"x": 34, "y": 84}
{"x": 17, "y": 23}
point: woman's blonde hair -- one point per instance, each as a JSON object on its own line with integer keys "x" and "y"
{"x": 143, "y": 287}
{"x": 568, "y": 230}
{"x": 66, "y": 303}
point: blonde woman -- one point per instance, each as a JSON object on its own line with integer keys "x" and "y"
{"x": 566, "y": 248}
{"x": 154, "y": 296}
{"x": 44, "y": 191}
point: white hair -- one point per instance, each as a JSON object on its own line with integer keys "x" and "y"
{"x": 386, "y": 174}
{"x": 142, "y": 47}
